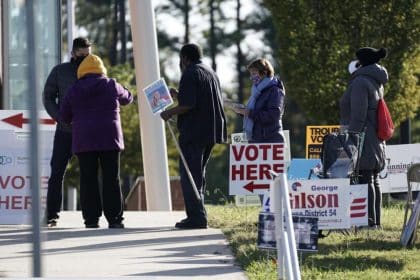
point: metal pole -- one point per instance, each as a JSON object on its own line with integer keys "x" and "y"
{"x": 153, "y": 140}
{"x": 184, "y": 161}
{"x": 71, "y": 198}
{"x": 34, "y": 143}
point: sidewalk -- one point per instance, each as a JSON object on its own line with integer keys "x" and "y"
{"x": 148, "y": 248}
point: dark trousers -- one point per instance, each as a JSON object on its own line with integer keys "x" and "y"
{"x": 197, "y": 157}
{"x": 90, "y": 198}
{"x": 60, "y": 158}
{"x": 371, "y": 178}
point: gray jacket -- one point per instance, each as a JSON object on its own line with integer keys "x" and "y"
{"x": 60, "y": 79}
{"x": 358, "y": 107}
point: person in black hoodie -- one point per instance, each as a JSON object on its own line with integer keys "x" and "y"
{"x": 358, "y": 112}
{"x": 60, "y": 79}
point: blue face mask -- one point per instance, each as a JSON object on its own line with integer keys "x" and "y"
{"x": 255, "y": 79}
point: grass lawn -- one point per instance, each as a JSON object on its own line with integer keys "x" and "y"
{"x": 373, "y": 254}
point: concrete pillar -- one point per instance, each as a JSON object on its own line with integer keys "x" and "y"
{"x": 153, "y": 140}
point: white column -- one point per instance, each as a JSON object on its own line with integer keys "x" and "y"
{"x": 153, "y": 140}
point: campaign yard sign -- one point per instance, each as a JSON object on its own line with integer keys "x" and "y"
{"x": 358, "y": 205}
{"x": 305, "y": 229}
{"x": 333, "y": 201}
{"x": 314, "y": 138}
{"x": 250, "y": 166}
{"x": 399, "y": 158}
{"x": 15, "y": 160}
{"x": 325, "y": 199}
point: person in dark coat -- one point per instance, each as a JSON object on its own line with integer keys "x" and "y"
{"x": 201, "y": 125}
{"x": 358, "y": 112}
{"x": 265, "y": 108}
{"x": 60, "y": 79}
{"x": 92, "y": 106}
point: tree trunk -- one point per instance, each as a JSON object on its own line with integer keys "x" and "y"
{"x": 186, "y": 22}
{"x": 239, "y": 59}
{"x": 405, "y": 132}
{"x": 113, "y": 49}
{"x": 212, "y": 37}
{"x": 123, "y": 34}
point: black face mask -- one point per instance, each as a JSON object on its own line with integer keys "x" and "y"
{"x": 78, "y": 59}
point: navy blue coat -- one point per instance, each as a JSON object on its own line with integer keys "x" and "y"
{"x": 267, "y": 114}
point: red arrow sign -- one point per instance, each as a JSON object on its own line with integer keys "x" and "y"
{"x": 251, "y": 186}
{"x": 18, "y": 120}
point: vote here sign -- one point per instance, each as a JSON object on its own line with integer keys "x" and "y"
{"x": 15, "y": 161}
{"x": 250, "y": 165}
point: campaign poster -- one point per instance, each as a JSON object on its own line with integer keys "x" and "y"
{"x": 306, "y": 233}
{"x": 308, "y": 200}
{"x": 325, "y": 199}
{"x": 314, "y": 138}
{"x": 266, "y": 238}
{"x": 305, "y": 229}
{"x": 158, "y": 96}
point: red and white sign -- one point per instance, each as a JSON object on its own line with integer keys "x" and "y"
{"x": 18, "y": 120}
{"x": 15, "y": 180}
{"x": 326, "y": 199}
{"x": 357, "y": 198}
{"x": 358, "y": 205}
{"x": 250, "y": 166}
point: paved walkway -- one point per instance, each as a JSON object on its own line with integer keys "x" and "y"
{"x": 148, "y": 248}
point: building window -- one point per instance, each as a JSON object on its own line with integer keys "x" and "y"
{"x": 15, "y": 52}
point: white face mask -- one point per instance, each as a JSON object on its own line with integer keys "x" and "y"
{"x": 353, "y": 66}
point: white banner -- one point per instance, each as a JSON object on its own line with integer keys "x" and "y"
{"x": 399, "y": 157}
{"x": 15, "y": 180}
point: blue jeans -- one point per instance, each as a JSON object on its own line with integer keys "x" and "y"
{"x": 196, "y": 156}
{"x": 60, "y": 158}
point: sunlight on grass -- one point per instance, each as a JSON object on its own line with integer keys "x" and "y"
{"x": 365, "y": 254}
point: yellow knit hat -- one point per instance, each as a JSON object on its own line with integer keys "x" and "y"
{"x": 91, "y": 64}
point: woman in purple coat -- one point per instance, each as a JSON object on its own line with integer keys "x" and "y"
{"x": 92, "y": 106}
{"x": 264, "y": 111}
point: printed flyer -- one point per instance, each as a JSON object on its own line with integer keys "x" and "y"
{"x": 158, "y": 96}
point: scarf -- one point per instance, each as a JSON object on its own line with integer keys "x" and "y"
{"x": 255, "y": 93}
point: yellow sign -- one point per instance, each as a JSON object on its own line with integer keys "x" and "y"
{"x": 314, "y": 137}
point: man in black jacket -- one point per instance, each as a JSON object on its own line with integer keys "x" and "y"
{"x": 201, "y": 125}
{"x": 60, "y": 79}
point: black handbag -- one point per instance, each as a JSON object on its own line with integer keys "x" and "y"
{"x": 340, "y": 154}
